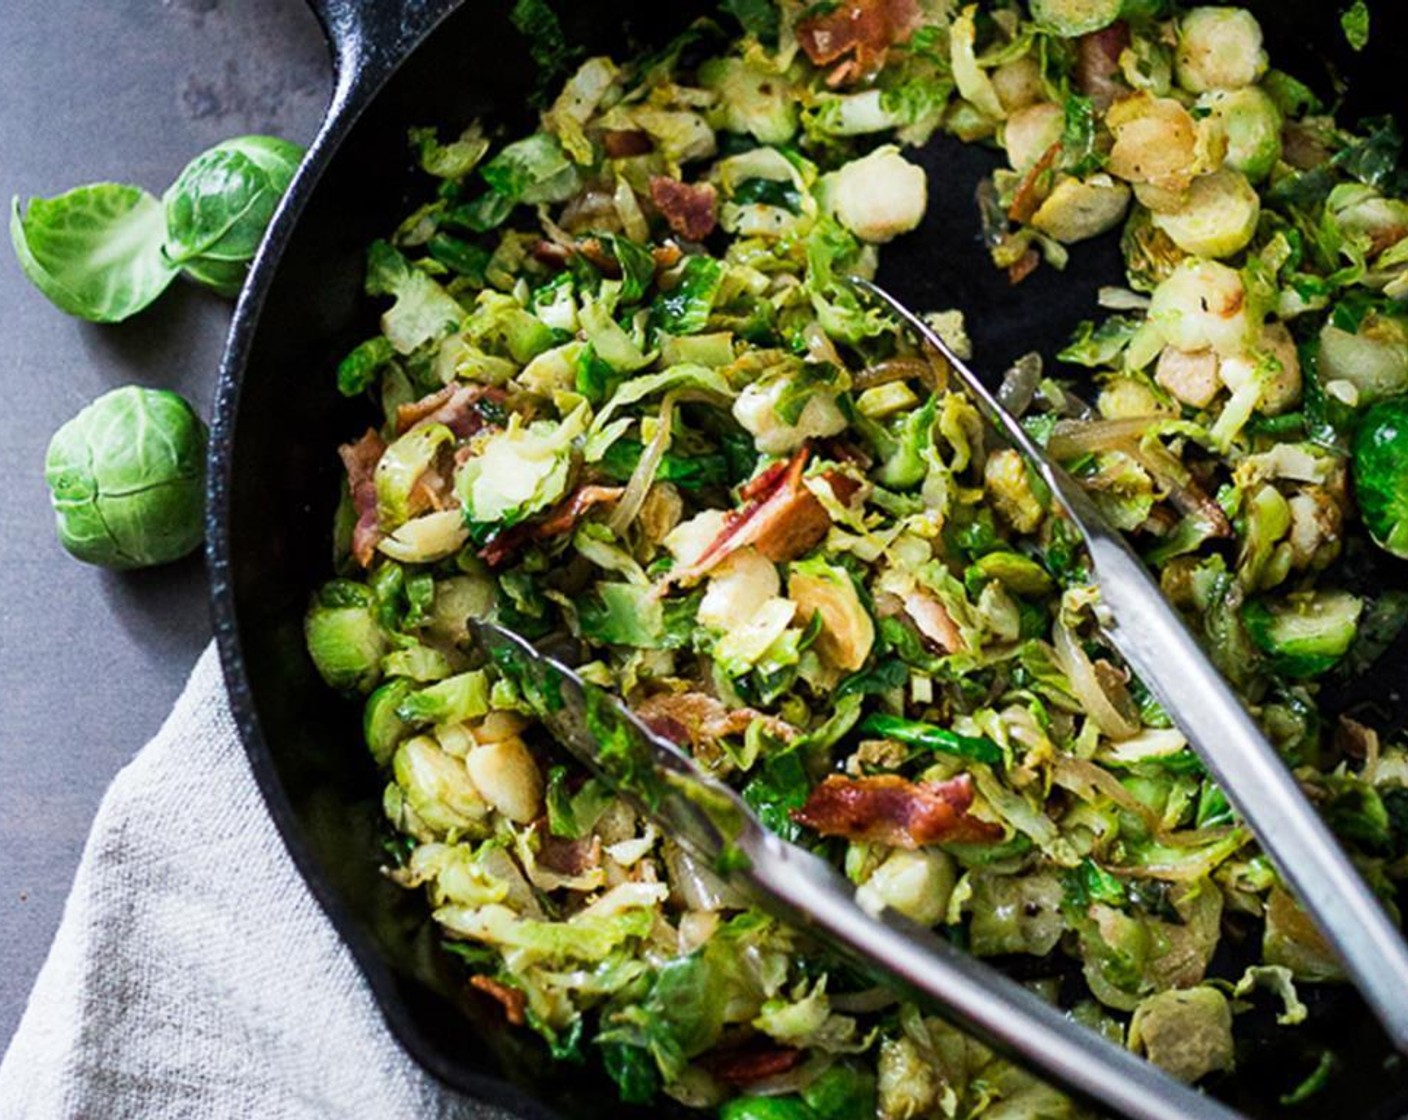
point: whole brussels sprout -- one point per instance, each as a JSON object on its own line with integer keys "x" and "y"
{"x": 219, "y": 206}
{"x": 127, "y": 479}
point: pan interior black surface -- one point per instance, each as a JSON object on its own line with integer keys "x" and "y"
{"x": 277, "y": 478}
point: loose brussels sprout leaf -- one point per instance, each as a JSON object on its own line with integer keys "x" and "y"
{"x": 547, "y": 44}
{"x": 753, "y": 100}
{"x": 1016, "y": 914}
{"x": 535, "y": 169}
{"x": 127, "y": 479}
{"x": 221, "y": 203}
{"x": 879, "y": 196}
{"x": 930, "y": 738}
{"x": 1372, "y": 359}
{"x": 1305, "y": 635}
{"x": 847, "y": 630}
{"x": 1188, "y": 1033}
{"x": 453, "y": 700}
{"x": 423, "y": 310}
{"x": 1381, "y": 474}
{"x": 94, "y": 251}
{"x": 454, "y": 160}
{"x": 684, "y": 309}
{"x": 1355, "y": 22}
{"x": 757, "y": 17}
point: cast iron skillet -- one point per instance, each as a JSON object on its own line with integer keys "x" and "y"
{"x": 274, "y": 479}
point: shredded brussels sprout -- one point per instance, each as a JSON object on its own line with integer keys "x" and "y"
{"x": 628, "y": 404}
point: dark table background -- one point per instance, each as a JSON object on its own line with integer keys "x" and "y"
{"x": 90, "y": 661}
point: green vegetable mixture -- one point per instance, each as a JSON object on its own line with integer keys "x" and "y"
{"x": 627, "y": 399}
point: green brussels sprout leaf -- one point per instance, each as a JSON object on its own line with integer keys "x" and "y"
{"x": 94, "y": 251}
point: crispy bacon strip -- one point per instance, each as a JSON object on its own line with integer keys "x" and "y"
{"x": 511, "y": 1000}
{"x": 782, "y": 519}
{"x": 455, "y": 406}
{"x": 569, "y": 858}
{"x": 1098, "y": 73}
{"x": 743, "y": 1066}
{"x": 1024, "y": 266}
{"x": 622, "y": 143}
{"x": 691, "y": 210}
{"x": 562, "y": 518}
{"x": 888, "y": 809}
{"x": 695, "y": 719}
{"x": 360, "y": 460}
{"x": 862, "y": 29}
{"x": 1029, "y": 197}
{"x": 844, "y": 486}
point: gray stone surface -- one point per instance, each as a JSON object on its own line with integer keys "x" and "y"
{"x": 90, "y": 661}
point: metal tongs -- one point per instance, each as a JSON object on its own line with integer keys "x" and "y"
{"x": 1142, "y": 625}
{"x": 711, "y": 822}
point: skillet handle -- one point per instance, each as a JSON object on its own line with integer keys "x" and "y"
{"x": 370, "y": 38}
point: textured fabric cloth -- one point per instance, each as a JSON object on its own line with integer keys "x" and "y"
{"x": 193, "y": 975}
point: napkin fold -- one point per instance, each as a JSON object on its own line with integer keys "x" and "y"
{"x": 193, "y": 974}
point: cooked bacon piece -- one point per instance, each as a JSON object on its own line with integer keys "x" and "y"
{"x": 782, "y": 519}
{"x": 888, "y": 809}
{"x": 695, "y": 719}
{"x": 1024, "y": 266}
{"x": 691, "y": 210}
{"x": 512, "y": 1000}
{"x": 455, "y": 406}
{"x": 506, "y": 543}
{"x": 864, "y": 29}
{"x": 569, "y": 858}
{"x": 747, "y": 1065}
{"x": 667, "y": 255}
{"x": 1098, "y": 65}
{"x": 562, "y": 518}
{"x": 360, "y": 460}
{"x": 552, "y": 254}
{"x": 622, "y": 143}
{"x": 844, "y": 486}
{"x": 594, "y": 252}
{"x": 1033, "y": 187}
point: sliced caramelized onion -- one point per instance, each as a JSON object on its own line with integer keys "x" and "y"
{"x": 1085, "y": 685}
{"x": 895, "y": 369}
{"x": 644, "y": 474}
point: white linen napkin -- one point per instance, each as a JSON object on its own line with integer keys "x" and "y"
{"x": 193, "y": 975}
